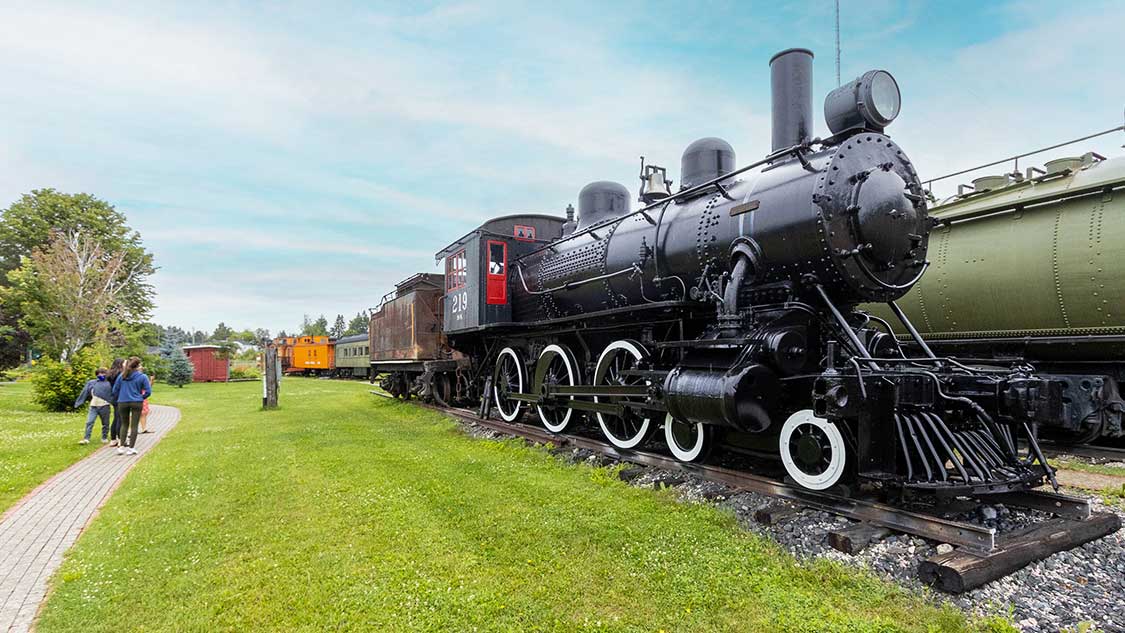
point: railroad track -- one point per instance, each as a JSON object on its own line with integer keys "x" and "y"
{"x": 1090, "y": 451}
{"x": 980, "y": 555}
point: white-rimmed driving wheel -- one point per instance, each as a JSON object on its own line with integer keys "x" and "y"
{"x": 634, "y": 426}
{"x": 813, "y": 450}
{"x": 556, "y": 366}
{"x": 688, "y": 441}
{"x": 508, "y": 377}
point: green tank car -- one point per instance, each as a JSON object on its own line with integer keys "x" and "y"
{"x": 1032, "y": 267}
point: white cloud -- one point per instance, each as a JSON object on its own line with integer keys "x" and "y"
{"x": 232, "y": 132}
{"x": 346, "y": 245}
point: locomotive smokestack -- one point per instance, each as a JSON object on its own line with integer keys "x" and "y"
{"x": 791, "y": 95}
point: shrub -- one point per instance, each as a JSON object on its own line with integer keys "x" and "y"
{"x": 244, "y": 372}
{"x": 55, "y": 385}
{"x": 18, "y": 373}
{"x": 156, "y": 366}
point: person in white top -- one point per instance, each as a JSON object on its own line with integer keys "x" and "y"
{"x": 100, "y": 393}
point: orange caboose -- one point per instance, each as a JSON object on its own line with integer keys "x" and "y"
{"x": 307, "y": 355}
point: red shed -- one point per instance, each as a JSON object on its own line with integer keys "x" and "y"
{"x": 209, "y": 367}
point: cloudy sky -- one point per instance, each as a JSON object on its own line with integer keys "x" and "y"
{"x": 291, "y": 158}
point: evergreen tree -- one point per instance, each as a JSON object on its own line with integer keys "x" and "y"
{"x": 306, "y": 326}
{"x": 358, "y": 325}
{"x": 180, "y": 371}
{"x": 168, "y": 348}
{"x": 222, "y": 332}
{"x": 340, "y": 327}
{"x": 174, "y": 336}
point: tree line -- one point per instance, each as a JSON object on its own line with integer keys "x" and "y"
{"x": 341, "y": 327}
{"x": 223, "y": 333}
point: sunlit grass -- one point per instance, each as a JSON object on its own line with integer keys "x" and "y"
{"x": 1098, "y": 469}
{"x": 346, "y": 512}
{"x": 34, "y": 445}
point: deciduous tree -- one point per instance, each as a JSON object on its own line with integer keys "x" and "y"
{"x": 33, "y": 220}
{"x": 319, "y": 327}
{"x": 71, "y": 289}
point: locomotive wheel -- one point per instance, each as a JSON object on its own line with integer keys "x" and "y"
{"x": 508, "y": 377}
{"x": 556, "y": 366}
{"x": 688, "y": 442}
{"x": 634, "y": 427}
{"x": 441, "y": 389}
{"x": 813, "y": 450}
{"x": 402, "y": 386}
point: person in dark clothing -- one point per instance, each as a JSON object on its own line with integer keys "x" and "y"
{"x": 100, "y": 394}
{"x": 130, "y": 392}
{"x": 114, "y": 373}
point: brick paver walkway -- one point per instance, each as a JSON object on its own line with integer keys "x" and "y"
{"x": 38, "y": 530}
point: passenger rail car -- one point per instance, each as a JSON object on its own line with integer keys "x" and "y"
{"x": 731, "y": 306}
{"x": 353, "y": 356}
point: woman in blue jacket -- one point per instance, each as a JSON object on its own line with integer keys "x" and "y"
{"x": 130, "y": 392}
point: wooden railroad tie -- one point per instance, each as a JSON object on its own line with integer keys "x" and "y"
{"x": 853, "y": 539}
{"x": 960, "y": 570}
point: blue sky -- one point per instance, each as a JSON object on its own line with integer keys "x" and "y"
{"x": 294, "y": 158}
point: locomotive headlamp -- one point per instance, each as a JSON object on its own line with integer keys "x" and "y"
{"x": 870, "y": 102}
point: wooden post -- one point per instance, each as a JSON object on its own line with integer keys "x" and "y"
{"x": 270, "y": 377}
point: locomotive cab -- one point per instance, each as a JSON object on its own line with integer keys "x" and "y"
{"x": 478, "y": 279}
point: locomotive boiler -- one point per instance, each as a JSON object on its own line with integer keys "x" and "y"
{"x": 730, "y": 304}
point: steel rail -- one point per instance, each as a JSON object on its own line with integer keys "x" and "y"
{"x": 1089, "y": 451}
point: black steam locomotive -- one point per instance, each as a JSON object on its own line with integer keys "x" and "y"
{"x": 730, "y": 305}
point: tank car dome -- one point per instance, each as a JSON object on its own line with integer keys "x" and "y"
{"x": 600, "y": 201}
{"x": 705, "y": 159}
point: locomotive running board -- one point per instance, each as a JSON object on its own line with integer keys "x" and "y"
{"x": 979, "y": 558}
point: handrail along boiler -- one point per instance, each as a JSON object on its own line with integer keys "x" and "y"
{"x": 731, "y": 305}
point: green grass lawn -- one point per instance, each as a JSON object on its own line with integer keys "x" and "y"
{"x": 34, "y": 444}
{"x": 346, "y": 512}
{"x": 1098, "y": 469}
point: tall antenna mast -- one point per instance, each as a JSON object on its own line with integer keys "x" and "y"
{"x": 838, "y": 43}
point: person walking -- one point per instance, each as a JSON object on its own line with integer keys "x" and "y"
{"x": 100, "y": 394}
{"x": 130, "y": 392}
{"x": 114, "y": 373}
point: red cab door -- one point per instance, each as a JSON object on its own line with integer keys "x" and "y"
{"x": 496, "y": 286}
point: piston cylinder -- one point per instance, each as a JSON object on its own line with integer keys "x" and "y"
{"x": 734, "y": 398}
